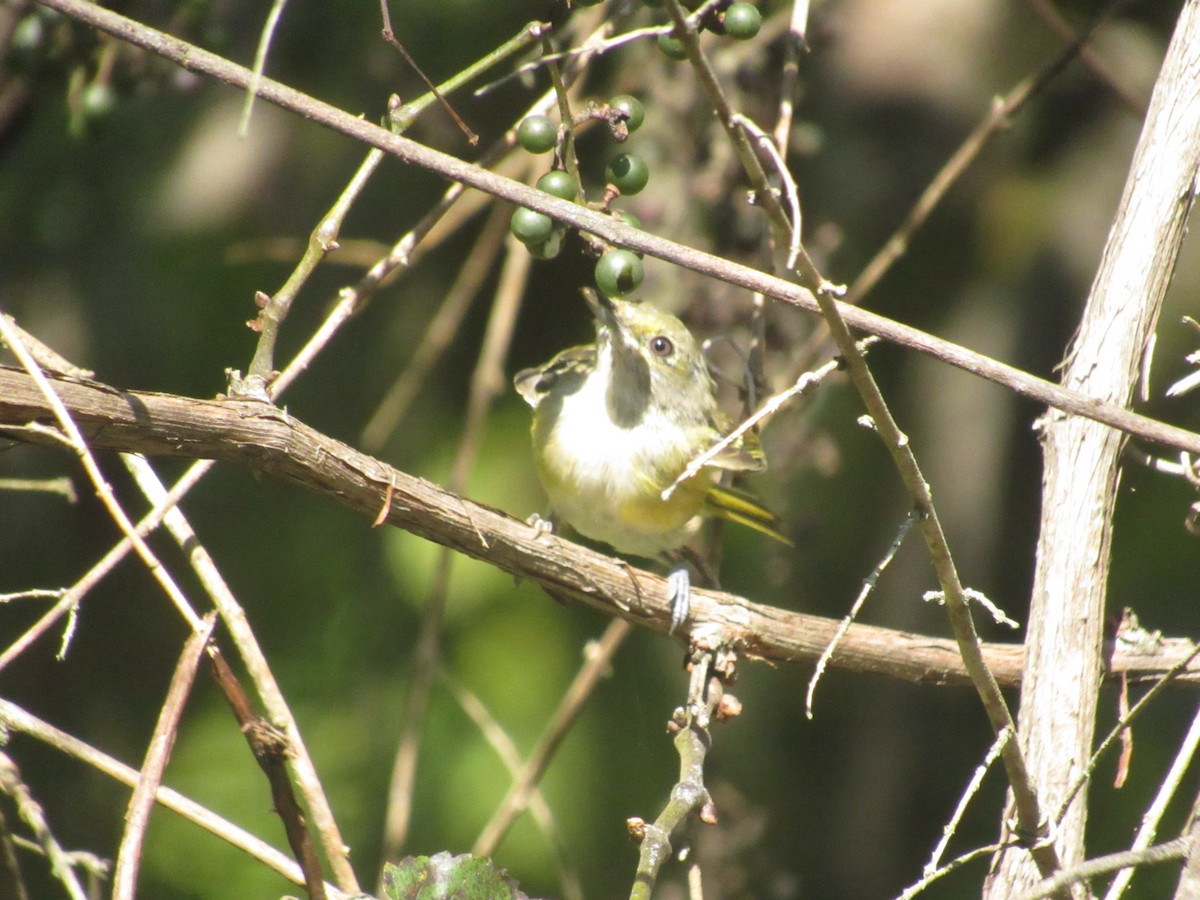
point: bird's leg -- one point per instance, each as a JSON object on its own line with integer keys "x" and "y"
{"x": 542, "y": 524}
{"x": 679, "y": 582}
{"x": 679, "y": 593}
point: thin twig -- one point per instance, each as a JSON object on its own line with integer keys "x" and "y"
{"x": 47, "y": 357}
{"x": 390, "y": 37}
{"x": 1046, "y": 11}
{"x": 507, "y": 750}
{"x": 260, "y": 62}
{"x": 486, "y": 384}
{"x": 955, "y": 864}
{"x": 137, "y": 815}
{"x": 103, "y": 489}
{"x": 270, "y": 748}
{"x": 1148, "y": 830}
{"x": 790, "y": 190}
{"x": 1123, "y": 723}
{"x": 275, "y": 308}
{"x": 803, "y": 385}
{"x": 969, "y": 792}
{"x": 868, "y": 585}
{"x": 16, "y": 718}
{"x": 12, "y": 884}
{"x": 32, "y": 594}
{"x": 1168, "y": 851}
{"x": 426, "y": 657}
{"x": 789, "y": 76}
{"x": 595, "y": 667}
{"x": 31, "y": 812}
{"x": 400, "y": 117}
{"x": 234, "y": 618}
{"x": 597, "y": 44}
{"x": 63, "y": 486}
{"x": 997, "y": 120}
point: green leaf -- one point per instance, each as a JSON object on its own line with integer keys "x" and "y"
{"x": 444, "y": 876}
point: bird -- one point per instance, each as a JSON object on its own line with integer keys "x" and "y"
{"x": 615, "y": 423}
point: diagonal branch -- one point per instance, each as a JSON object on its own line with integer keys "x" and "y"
{"x": 620, "y": 234}
{"x": 137, "y": 816}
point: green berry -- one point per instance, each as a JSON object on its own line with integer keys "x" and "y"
{"x": 547, "y": 249}
{"x": 672, "y": 46}
{"x": 631, "y": 108}
{"x": 628, "y": 218}
{"x": 530, "y": 227}
{"x": 29, "y": 33}
{"x": 557, "y": 184}
{"x": 97, "y": 100}
{"x": 537, "y": 134}
{"x": 628, "y": 172}
{"x": 619, "y": 272}
{"x": 742, "y": 21}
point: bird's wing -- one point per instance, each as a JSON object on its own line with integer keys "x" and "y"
{"x": 571, "y": 364}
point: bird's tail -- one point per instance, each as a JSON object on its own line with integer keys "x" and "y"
{"x": 745, "y": 509}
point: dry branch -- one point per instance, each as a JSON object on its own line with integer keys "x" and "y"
{"x": 1082, "y": 469}
{"x": 267, "y": 439}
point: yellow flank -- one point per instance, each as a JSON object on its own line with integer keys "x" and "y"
{"x": 648, "y": 513}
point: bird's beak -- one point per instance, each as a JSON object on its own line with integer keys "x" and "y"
{"x": 602, "y": 307}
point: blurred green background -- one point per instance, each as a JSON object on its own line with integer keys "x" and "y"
{"x": 135, "y": 227}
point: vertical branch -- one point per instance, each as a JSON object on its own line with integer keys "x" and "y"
{"x": 1063, "y": 661}
{"x": 486, "y": 384}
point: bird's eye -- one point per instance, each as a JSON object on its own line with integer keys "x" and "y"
{"x": 661, "y": 346}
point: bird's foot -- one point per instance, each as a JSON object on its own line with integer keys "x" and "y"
{"x": 679, "y": 592}
{"x": 540, "y": 525}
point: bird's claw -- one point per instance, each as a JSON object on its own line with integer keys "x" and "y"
{"x": 679, "y": 593}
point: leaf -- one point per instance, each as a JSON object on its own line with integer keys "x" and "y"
{"x": 444, "y": 876}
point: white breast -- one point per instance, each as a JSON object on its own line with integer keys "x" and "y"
{"x": 589, "y": 471}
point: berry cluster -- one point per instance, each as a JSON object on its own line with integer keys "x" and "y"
{"x": 618, "y": 272}
{"x": 740, "y": 21}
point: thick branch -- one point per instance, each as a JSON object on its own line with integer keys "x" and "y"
{"x": 1079, "y": 486}
{"x": 267, "y": 439}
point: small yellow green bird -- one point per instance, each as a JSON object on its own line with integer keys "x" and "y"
{"x": 616, "y": 422}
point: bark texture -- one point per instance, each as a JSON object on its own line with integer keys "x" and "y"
{"x": 1064, "y": 662}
